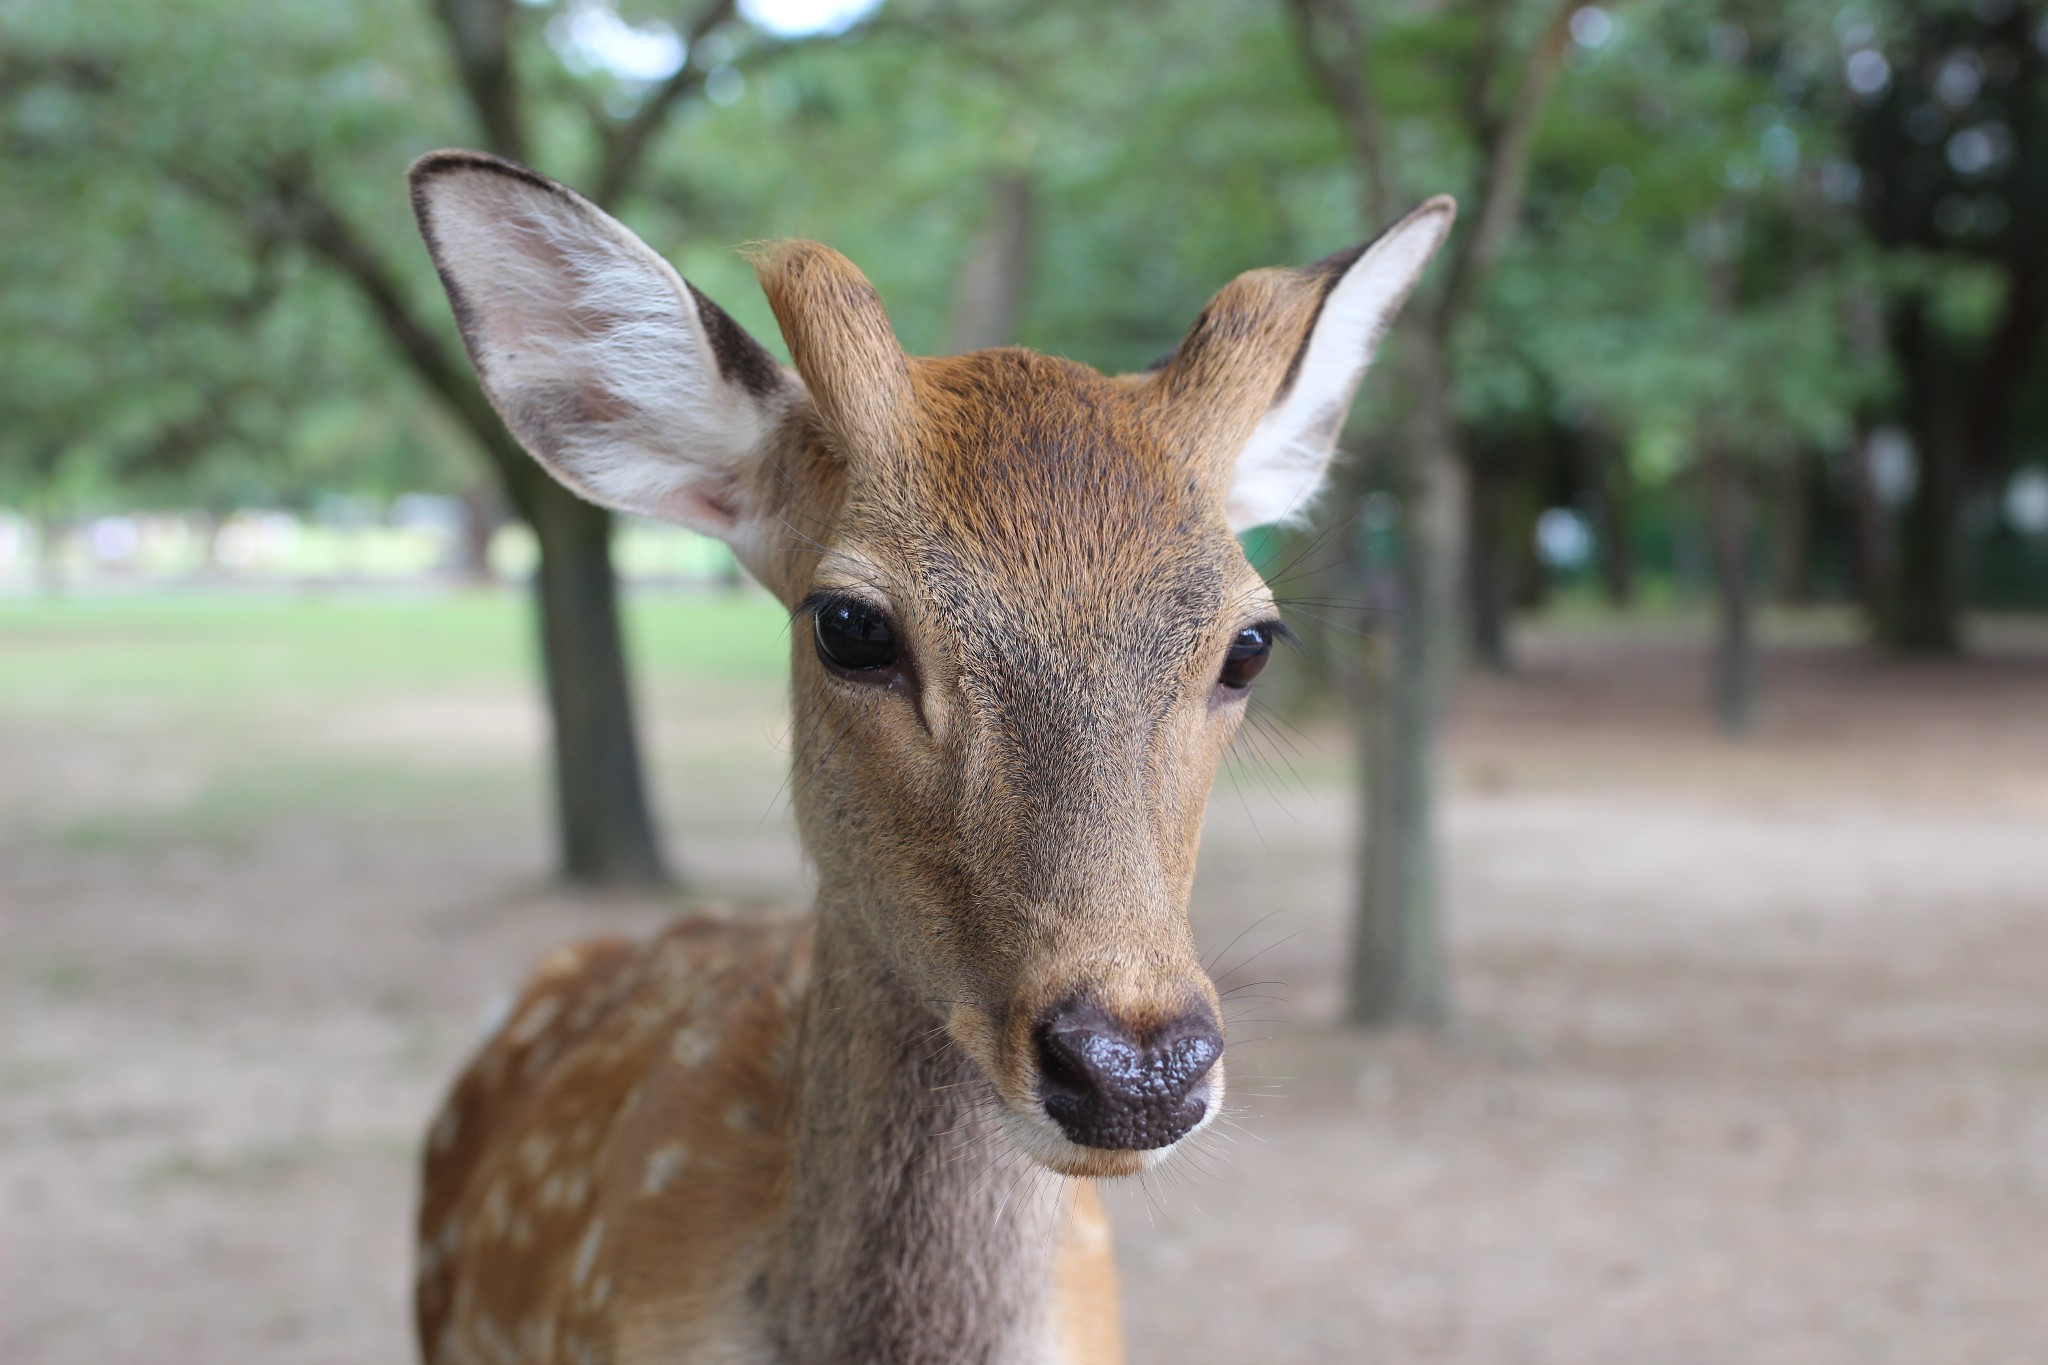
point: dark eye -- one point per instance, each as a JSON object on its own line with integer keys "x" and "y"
{"x": 1248, "y": 654}
{"x": 853, "y": 636}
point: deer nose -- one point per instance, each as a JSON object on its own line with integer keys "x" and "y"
{"x": 1106, "y": 1087}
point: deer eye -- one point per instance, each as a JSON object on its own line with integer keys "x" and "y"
{"x": 1248, "y": 654}
{"x": 853, "y": 637}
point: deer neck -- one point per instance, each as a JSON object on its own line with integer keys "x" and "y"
{"x": 917, "y": 1233}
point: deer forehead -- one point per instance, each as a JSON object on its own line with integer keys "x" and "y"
{"x": 1032, "y": 496}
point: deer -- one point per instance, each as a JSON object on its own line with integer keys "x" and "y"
{"x": 1023, "y": 634}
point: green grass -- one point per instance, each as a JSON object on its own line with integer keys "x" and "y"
{"x": 204, "y": 721}
{"x": 223, "y": 653}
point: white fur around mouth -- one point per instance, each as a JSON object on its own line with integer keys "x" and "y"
{"x": 1043, "y": 1141}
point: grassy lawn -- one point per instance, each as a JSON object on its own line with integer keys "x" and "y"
{"x": 229, "y": 653}
{"x": 216, "y": 717}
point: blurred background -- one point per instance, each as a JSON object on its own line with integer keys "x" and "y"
{"x": 1636, "y": 890}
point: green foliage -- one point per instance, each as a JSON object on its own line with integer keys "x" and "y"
{"x": 1681, "y": 273}
{"x": 154, "y": 343}
{"x": 1686, "y": 259}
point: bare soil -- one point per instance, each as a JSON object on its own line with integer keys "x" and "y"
{"x": 1751, "y": 1062}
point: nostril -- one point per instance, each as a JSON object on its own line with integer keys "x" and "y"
{"x": 1069, "y": 1058}
{"x": 1186, "y": 1061}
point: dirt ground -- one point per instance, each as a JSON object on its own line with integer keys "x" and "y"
{"x": 1752, "y": 1060}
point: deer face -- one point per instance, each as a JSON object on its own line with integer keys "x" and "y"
{"x": 1023, "y": 630}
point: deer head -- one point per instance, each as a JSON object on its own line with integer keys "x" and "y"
{"x": 1023, "y": 629}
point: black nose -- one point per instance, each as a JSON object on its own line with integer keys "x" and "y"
{"x": 1106, "y": 1087}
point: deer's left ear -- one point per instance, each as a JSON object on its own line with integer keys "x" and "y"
{"x": 1281, "y": 468}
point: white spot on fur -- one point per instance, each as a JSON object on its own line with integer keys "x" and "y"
{"x": 497, "y": 1210}
{"x": 534, "y": 1020}
{"x": 662, "y": 1165}
{"x": 693, "y": 1046}
{"x": 535, "y": 1151}
{"x": 586, "y": 1251}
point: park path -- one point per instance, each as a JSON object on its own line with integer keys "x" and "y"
{"x": 1752, "y": 1063}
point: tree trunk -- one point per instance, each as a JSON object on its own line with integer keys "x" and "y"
{"x": 1492, "y": 568}
{"x": 1794, "y": 527}
{"x": 1926, "y": 601}
{"x": 604, "y": 825}
{"x": 1729, "y": 514}
{"x": 1607, "y": 473}
{"x": 988, "y": 293}
{"x": 483, "y": 512}
{"x": 1874, "y": 558}
{"x": 1398, "y": 972}
{"x": 604, "y": 832}
{"x": 1927, "y": 607}
{"x": 51, "y": 534}
{"x": 1398, "y": 969}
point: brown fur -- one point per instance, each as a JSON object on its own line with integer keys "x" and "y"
{"x": 616, "y": 1177}
{"x": 1236, "y": 361}
{"x": 840, "y": 338}
{"x": 1025, "y": 826}
{"x": 824, "y": 1140}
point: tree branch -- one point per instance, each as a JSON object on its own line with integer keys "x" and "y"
{"x": 479, "y": 36}
{"x": 1484, "y": 118}
{"x": 1343, "y": 78}
{"x": 626, "y": 147}
{"x": 1505, "y": 171}
{"x": 87, "y": 71}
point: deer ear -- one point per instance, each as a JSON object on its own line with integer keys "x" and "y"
{"x": 1282, "y": 467}
{"x": 624, "y": 382}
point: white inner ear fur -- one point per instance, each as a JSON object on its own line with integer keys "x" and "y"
{"x": 1282, "y": 467}
{"x": 598, "y": 357}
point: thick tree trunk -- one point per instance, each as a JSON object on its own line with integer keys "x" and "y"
{"x": 605, "y": 828}
{"x": 1398, "y": 972}
{"x": 1729, "y": 516}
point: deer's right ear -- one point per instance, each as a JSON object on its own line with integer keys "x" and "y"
{"x": 626, "y": 383}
